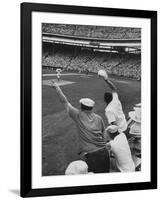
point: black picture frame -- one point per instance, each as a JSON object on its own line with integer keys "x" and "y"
{"x": 26, "y": 102}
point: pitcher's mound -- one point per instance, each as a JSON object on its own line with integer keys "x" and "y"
{"x": 60, "y": 82}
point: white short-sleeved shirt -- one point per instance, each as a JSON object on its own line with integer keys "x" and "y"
{"x": 114, "y": 113}
{"x": 122, "y": 153}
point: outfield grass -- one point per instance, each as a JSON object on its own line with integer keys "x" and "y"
{"x": 59, "y": 134}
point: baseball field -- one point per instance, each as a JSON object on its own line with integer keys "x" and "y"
{"x": 59, "y": 133}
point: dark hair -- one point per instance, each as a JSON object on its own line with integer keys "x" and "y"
{"x": 108, "y": 97}
{"x": 83, "y": 107}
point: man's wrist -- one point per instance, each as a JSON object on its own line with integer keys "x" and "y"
{"x": 57, "y": 88}
{"x": 53, "y": 86}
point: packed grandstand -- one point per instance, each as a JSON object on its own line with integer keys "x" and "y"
{"x": 73, "y": 55}
{"x": 92, "y": 31}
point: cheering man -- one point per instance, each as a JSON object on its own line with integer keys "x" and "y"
{"x": 91, "y": 132}
{"x": 113, "y": 110}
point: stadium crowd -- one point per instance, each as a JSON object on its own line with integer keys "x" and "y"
{"x": 127, "y": 65}
{"x": 92, "y": 31}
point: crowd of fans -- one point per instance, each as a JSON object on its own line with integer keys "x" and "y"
{"x": 92, "y": 31}
{"x": 127, "y": 65}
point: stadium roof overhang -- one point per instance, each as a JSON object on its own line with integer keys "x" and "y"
{"x": 96, "y": 43}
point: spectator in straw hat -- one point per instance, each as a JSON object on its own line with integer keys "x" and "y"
{"x": 135, "y": 132}
{"x": 91, "y": 132}
{"x": 120, "y": 148}
{"x": 135, "y": 125}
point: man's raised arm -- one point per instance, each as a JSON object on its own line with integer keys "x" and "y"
{"x": 62, "y": 97}
{"x": 111, "y": 85}
{"x": 72, "y": 111}
{"x": 106, "y": 79}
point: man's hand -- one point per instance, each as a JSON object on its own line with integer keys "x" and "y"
{"x": 103, "y": 74}
{"x": 54, "y": 84}
{"x": 63, "y": 98}
{"x": 108, "y": 146}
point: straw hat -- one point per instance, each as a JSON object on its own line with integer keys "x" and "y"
{"x": 135, "y": 129}
{"x": 87, "y": 102}
{"x": 138, "y": 104}
{"x": 135, "y": 115}
{"x": 137, "y": 109}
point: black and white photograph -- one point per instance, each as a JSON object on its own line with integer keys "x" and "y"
{"x": 88, "y": 100}
{"x": 91, "y": 99}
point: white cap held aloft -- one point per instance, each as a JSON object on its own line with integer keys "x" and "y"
{"x": 103, "y": 74}
{"x": 87, "y": 102}
{"x": 135, "y": 115}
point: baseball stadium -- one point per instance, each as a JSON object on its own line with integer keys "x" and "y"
{"x": 79, "y": 52}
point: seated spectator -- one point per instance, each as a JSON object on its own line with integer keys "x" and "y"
{"x": 120, "y": 148}
{"x": 135, "y": 131}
